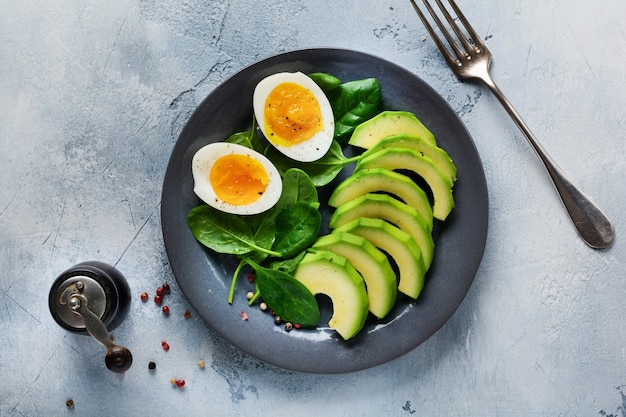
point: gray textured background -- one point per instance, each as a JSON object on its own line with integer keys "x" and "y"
{"x": 92, "y": 98}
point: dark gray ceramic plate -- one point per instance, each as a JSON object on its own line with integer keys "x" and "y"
{"x": 204, "y": 277}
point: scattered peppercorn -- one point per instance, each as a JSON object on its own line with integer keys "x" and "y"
{"x": 288, "y": 326}
{"x": 249, "y": 295}
{"x": 69, "y": 403}
{"x": 263, "y": 306}
{"x": 187, "y": 314}
{"x": 165, "y": 346}
{"x": 250, "y": 277}
{"x": 201, "y": 363}
{"x": 144, "y": 296}
{"x": 166, "y": 288}
{"x": 296, "y": 326}
{"x": 177, "y": 382}
{"x": 158, "y": 299}
{"x": 151, "y": 365}
{"x": 160, "y": 291}
{"x": 277, "y": 320}
{"x": 166, "y": 310}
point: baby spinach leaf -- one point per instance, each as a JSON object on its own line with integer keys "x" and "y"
{"x": 353, "y": 103}
{"x": 286, "y": 265}
{"x": 297, "y": 228}
{"x": 286, "y": 296}
{"x": 297, "y": 186}
{"x": 249, "y": 139}
{"x": 322, "y": 171}
{"x": 325, "y": 81}
{"x": 222, "y": 232}
{"x": 263, "y": 228}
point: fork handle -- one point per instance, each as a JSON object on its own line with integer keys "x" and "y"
{"x": 592, "y": 224}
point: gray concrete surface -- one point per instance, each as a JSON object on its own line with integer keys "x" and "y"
{"x": 92, "y": 98}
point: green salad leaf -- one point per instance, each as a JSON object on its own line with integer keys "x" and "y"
{"x": 287, "y": 296}
{"x": 297, "y": 229}
{"x": 322, "y": 171}
{"x": 223, "y": 232}
{"x": 297, "y": 186}
{"x": 353, "y": 103}
{"x": 249, "y": 139}
{"x": 325, "y": 81}
{"x": 286, "y": 265}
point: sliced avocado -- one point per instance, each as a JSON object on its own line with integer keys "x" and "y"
{"x": 440, "y": 157}
{"x": 388, "y": 123}
{"x": 371, "y": 263}
{"x": 380, "y": 206}
{"x": 404, "y": 158}
{"x": 324, "y": 272}
{"x": 399, "y": 245}
{"x": 386, "y": 181}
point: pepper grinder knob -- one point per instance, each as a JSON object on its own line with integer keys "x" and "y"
{"x": 93, "y": 298}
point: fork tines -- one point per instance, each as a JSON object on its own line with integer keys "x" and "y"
{"x": 462, "y": 54}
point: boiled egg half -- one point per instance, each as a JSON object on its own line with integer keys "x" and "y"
{"x": 294, "y": 115}
{"x": 235, "y": 179}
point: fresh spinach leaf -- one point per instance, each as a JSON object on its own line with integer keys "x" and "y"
{"x": 286, "y": 296}
{"x": 297, "y": 186}
{"x": 353, "y": 103}
{"x": 223, "y": 232}
{"x": 286, "y": 265}
{"x": 249, "y": 139}
{"x": 263, "y": 228}
{"x": 297, "y": 228}
{"x": 325, "y": 81}
{"x": 322, "y": 171}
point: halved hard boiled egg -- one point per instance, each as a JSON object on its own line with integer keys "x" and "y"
{"x": 294, "y": 115}
{"x": 235, "y": 179}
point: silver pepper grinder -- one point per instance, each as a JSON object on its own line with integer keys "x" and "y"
{"x": 93, "y": 298}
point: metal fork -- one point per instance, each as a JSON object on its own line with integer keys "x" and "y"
{"x": 471, "y": 60}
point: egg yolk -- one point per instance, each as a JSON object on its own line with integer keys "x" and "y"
{"x": 292, "y": 114}
{"x": 238, "y": 179}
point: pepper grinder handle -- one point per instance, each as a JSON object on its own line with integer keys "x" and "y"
{"x": 93, "y": 298}
{"x": 117, "y": 358}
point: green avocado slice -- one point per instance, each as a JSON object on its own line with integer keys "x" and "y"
{"x": 440, "y": 158}
{"x": 371, "y": 263}
{"x": 397, "y": 244}
{"x": 408, "y": 159}
{"x": 324, "y": 272}
{"x": 380, "y": 206}
{"x": 388, "y": 123}
{"x": 380, "y": 180}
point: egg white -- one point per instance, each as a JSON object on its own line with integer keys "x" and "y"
{"x": 202, "y": 163}
{"x": 313, "y": 148}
